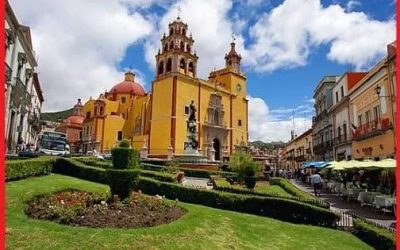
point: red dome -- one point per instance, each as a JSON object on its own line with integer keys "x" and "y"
{"x": 75, "y": 119}
{"x": 128, "y": 86}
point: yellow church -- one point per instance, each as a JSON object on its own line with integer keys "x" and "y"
{"x": 156, "y": 122}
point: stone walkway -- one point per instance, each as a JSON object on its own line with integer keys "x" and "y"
{"x": 196, "y": 182}
{"x": 339, "y": 205}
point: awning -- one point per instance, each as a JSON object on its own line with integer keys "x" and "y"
{"x": 315, "y": 164}
{"x": 367, "y": 164}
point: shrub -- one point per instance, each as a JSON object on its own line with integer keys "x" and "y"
{"x": 250, "y": 181}
{"x": 122, "y": 181}
{"x": 124, "y": 143}
{"x": 293, "y": 190}
{"x": 124, "y": 158}
{"x": 20, "y": 169}
{"x": 283, "y": 209}
{"x": 161, "y": 176}
{"x": 74, "y": 168}
{"x": 202, "y": 173}
{"x": 243, "y": 165}
{"x": 379, "y": 238}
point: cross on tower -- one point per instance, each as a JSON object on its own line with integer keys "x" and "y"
{"x": 233, "y": 37}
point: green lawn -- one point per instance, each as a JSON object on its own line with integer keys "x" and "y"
{"x": 200, "y": 228}
{"x": 261, "y": 186}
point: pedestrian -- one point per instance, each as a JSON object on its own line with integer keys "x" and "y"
{"x": 316, "y": 181}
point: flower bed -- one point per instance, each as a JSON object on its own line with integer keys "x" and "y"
{"x": 80, "y": 208}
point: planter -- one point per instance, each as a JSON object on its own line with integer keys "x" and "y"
{"x": 250, "y": 181}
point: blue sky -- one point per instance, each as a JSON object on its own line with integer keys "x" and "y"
{"x": 287, "y": 47}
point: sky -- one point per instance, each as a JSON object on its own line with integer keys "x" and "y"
{"x": 287, "y": 46}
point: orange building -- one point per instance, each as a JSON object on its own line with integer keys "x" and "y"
{"x": 72, "y": 127}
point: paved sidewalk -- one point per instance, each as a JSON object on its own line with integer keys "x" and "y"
{"x": 338, "y": 204}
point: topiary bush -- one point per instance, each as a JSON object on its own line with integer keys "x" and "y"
{"x": 124, "y": 158}
{"x": 379, "y": 238}
{"x": 250, "y": 181}
{"x": 124, "y": 143}
{"x": 122, "y": 181}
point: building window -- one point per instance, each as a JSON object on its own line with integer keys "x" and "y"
{"x": 119, "y": 136}
{"x": 337, "y": 97}
{"x": 377, "y": 113}
{"x": 101, "y": 110}
{"x": 123, "y": 99}
{"x": 186, "y": 110}
{"x": 169, "y": 65}
{"x": 123, "y": 115}
{"x": 367, "y": 116}
{"x": 342, "y": 91}
{"x": 345, "y": 131}
{"x": 88, "y": 114}
{"x": 239, "y": 122}
{"x": 360, "y": 120}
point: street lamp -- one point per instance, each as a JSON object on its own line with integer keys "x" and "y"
{"x": 378, "y": 89}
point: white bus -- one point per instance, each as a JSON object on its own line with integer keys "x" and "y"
{"x": 53, "y": 143}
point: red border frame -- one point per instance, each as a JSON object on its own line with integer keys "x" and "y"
{"x": 2, "y": 134}
{"x": 397, "y": 129}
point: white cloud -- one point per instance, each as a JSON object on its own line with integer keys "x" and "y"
{"x": 80, "y": 44}
{"x": 264, "y": 124}
{"x": 352, "y": 4}
{"x": 284, "y": 37}
{"x": 211, "y": 27}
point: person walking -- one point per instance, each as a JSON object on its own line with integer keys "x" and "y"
{"x": 316, "y": 181}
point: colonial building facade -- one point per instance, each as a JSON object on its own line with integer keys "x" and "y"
{"x": 322, "y": 122}
{"x": 157, "y": 121}
{"x": 340, "y": 114}
{"x": 23, "y": 93}
{"x": 299, "y": 150}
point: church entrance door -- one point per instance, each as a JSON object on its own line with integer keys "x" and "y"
{"x": 217, "y": 148}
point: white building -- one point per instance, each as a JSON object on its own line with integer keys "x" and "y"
{"x": 341, "y": 123}
{"x": 23, "y": 95}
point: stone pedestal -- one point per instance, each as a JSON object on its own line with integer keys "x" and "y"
{"x": 211, "y": 154}
{"x": 170, "y": 152}
{"x": 144, "y": 150}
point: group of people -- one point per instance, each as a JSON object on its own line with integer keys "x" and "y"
{"x": 22, "y": 146}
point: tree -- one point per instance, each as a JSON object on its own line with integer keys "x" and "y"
{"x": 244, "y": 165}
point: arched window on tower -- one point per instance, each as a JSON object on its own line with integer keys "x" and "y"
{"x": 171, "y": 31}
{"x": 182, "y": 46}
{"x": 188, "y": 48}
{"x": 165, "y": 47}
{"x": 161, "y": 68}
{"x": 190, "y": 67}
{"x": 183, "y": 31}
{"x": 171, "y": 45}
{"x": 182, "y": 64}
{"x": 169, "y": 65}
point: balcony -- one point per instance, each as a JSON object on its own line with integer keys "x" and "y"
{"x": 8, "y": 73}
{"x": 20, "y": 95}
{"x": 322, "y": 147}
{"x": 319, "y": 117}
{"x": 371, "y": 129}
{"x": 213, "y": 124}
{"x": 300, "y": 158}
{"x": 342, "y": 139}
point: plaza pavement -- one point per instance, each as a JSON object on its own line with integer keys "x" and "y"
{"x": 339, "y": 204}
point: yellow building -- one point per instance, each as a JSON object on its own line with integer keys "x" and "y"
{"x": 299, "y": 150}
{"x": 158, "y": 120}
{"x": 372, "y": 114}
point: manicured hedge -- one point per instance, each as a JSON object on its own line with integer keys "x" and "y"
{"x": 153, "y": 167}
{"x": 77, "y": 169}
{"x": 161, "y": 176}
{"x": 293, "y": 190}
{"x": 283, "y": 209}
{"x": 379, "y": 238}
{"x": 124, "y": 158}
{"x": 20, "y": 169}
{"x": 93, "y": 162}
{"x": 122, "y": 181}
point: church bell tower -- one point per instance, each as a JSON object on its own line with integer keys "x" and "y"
{"x": 177, "y": 54}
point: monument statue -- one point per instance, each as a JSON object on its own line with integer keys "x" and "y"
{"x": 192, "y": 143}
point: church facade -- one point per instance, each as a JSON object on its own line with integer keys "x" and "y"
{"x": 157, "y": 121}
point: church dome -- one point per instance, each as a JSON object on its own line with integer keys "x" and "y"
{"x": 128, "y": 86}
{"x": 74, "y": 119}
